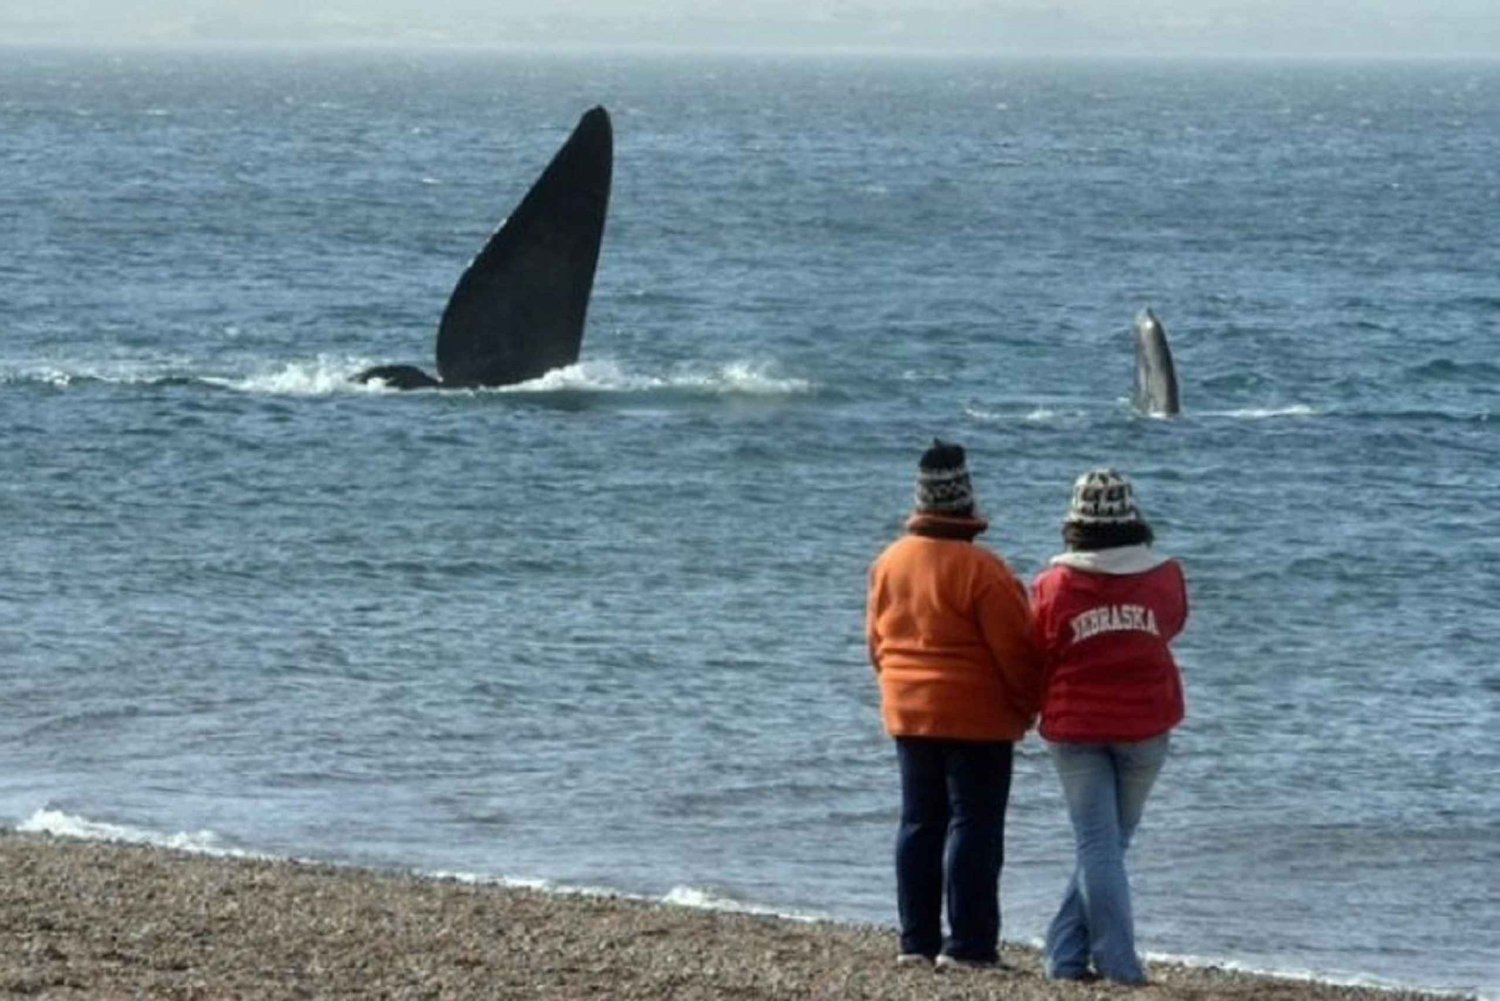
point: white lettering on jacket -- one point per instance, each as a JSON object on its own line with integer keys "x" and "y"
{"x": 1113, "y": 619}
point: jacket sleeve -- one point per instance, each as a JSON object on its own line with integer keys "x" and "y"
{"x": 1005, "y": 620}
{"x": 872, "y": 608}
{"x": 1043, "y": 593}
{"x": 1179, "y": 619}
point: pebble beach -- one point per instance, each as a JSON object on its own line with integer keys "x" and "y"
{"x": 98, "y": 920}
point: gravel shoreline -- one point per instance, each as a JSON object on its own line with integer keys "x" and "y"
{"x": 84, "y": 919}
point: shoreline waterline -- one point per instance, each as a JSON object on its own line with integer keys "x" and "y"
{"x": 93, "y": 918}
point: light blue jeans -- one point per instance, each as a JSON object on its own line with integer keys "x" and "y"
{"x": 1106, "y": 786}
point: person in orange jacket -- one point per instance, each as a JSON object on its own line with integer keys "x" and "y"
{"x": 950, "y": 638}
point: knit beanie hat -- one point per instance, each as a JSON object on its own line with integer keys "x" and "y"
{"x": 943, "y": 484}
{"x": 1103, "y": 497}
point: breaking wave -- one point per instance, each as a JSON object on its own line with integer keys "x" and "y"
{"x": 66, "y": 825}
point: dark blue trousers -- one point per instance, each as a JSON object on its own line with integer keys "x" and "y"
{"x": 952, "y": 838}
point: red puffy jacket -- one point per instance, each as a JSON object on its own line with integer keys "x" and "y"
{"x": 1103, "y": 622}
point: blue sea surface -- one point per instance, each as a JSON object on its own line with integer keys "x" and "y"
{"x": 606, "y": 629}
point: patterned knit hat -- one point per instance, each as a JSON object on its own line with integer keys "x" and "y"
{"x": 943, "y": 484}
{"x": 1103, "y": 497}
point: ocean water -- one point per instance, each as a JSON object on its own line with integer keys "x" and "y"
{"x": 605, "y": 630}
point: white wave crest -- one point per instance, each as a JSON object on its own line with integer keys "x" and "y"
{"x": 678, "y": 896}
{"x": 755, "y": 379}
{"x": 321, "y": 376}
{"x": 1051, "y": 415}
{"x": 475, "y": 879}
{"x": 55, "y": 377}
{"x": 67, "y": 825}
{"x": 534, "y": 884}
{"x": 707, "y": 900}
{"x": 1302, "y": 975}
{"x": 744, "y": 378}
{"x": 1266, "y": 413}
{"x": 328, "y": 374}
{"x": 1036, "y": 415}
{"x": 63, "y": 375}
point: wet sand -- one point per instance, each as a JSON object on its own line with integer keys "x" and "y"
{"x": 103, "y": 921}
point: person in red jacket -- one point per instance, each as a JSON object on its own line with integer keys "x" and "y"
{"x": 950, "y": 639}
{"x": 1106, "y": 610}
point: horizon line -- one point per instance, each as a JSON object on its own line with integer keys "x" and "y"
{"x": 809, "y": 50}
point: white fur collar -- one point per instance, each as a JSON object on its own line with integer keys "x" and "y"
{"x": 1120, "y": 560}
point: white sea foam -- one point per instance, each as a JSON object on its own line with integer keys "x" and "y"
{"x": 67, "y": 825}
{"x": 1283, "y": 973}
{"x": 62, "y": 375}
{"x": 596, "y": 376}
{"x": 741, "y": 378}
{"x": 707, "y": 900}
{"x": 679, "y": 896}
{"x": 1049, "y": 415}
{"x": 1035, "y": 415}
{"x": 1266, "y": 413}
{"x": 205, "y": 842}
{"x": 328, "y": 374}
{"x": 322, "y": 376}
{"x": 1334, "y": 978}
{"x": 47, "y": 376}
{"x": 475, "y": 879}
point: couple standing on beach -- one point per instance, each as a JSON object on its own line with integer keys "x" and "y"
{"x": 966, "y": 663}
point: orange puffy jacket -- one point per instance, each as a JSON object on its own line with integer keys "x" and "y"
{"x": 951, "y": 639}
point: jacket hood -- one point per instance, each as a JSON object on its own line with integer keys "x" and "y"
{"x": 1120, "y": 560}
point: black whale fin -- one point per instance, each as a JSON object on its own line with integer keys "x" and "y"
{"x": 519, "y": 309}
{"x": 1155, "y": 376}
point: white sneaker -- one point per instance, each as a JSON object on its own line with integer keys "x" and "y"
{"x": 913, "y": 959}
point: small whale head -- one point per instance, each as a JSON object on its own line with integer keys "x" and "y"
{"x": 1155, "y": 375}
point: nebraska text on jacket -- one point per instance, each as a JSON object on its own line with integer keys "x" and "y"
{"x": 1113, "y": 619}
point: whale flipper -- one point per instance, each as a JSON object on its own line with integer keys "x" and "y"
{"x": 1155, "y": 378}
{"x": 519, "y": 309}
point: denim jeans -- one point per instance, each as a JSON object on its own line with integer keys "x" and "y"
{"x": 1105, "y": 786}
{"x": 952, "y": 837}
